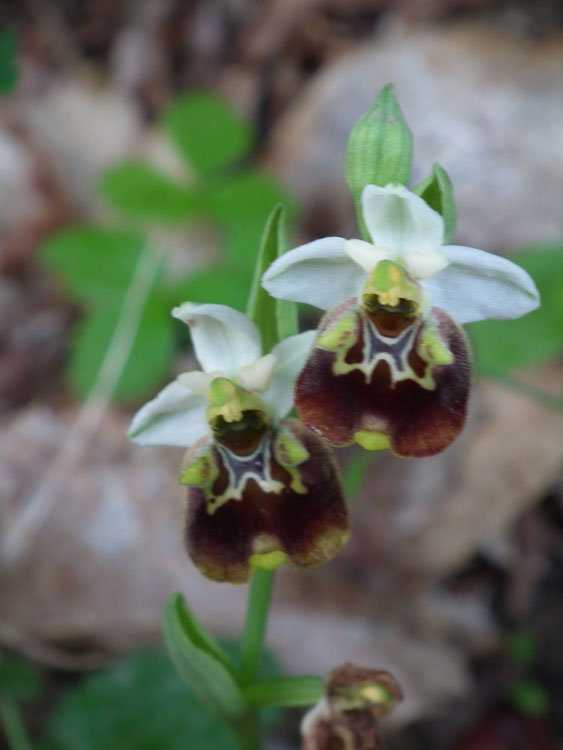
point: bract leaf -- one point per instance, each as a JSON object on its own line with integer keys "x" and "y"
{"x": 437, "y": 191}
{"x": 137, "y": 188}
{"x": 201, "y": 664}
{"x": 276, "y": 319}
{"x": 379, "y": 149}
{"x": 208, "y": 133}
{"x": 284, "y": 692}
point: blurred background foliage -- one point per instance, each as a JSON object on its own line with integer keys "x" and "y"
{"x": 83, "y": 260}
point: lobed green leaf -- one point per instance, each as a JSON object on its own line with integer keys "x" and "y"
{"x": 137, "y": 188}
{"x": 95, "y": 264}
{"x": 139, "y": 703}
{"x": 207, "y": 132}
{"x": 148, "y": 360}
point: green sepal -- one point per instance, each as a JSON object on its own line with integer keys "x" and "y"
{"x": 379, "y": 149}
{"x": 202, "y": 663}
{"x": 284, "y": 692}
{"x": 438, "y": 192}
{"x": 276, "y": 319}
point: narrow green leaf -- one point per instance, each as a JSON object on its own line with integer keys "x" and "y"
{"x": 379, "y": 149}
{"x": 208, "y": 133}
{"x": 286, "y": 312}
{"x": 201, "y": 668}
{"x": 261, "y": 307}
{"x": 284, "y": 692}
{"x": 8, "y": 68}
{"x": 148, "y": 359}
{"x": 276, "y": 319}
{"x": 438, "y": 192}
{"x": 137, "y": 188}
{"x": 198, "y": 635}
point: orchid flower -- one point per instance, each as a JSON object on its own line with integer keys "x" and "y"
{"x": 262, "y": 489}
{"x": 391, "y": 366}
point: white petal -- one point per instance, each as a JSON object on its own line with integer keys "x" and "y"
{"x": 256, "y": 376}
{"x": 421, "y": 263}
{"x": 224, "y": 339}
{"x": 365, "y": 254}
{"x": 175, "y": 417}
{"x": 198, "y": 381}
{"x": 478, "y": 285}
{"x": 320, "y": 273}
{"x": 400, "y": 220}
{"x": 291, "y": 355}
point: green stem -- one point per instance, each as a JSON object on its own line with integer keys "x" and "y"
{"x": 12, "y": 724}
{"x": 255, "y": 625}
{"x": 251, "y": 651}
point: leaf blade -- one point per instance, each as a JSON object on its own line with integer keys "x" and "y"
{"x": 206, "y": 674}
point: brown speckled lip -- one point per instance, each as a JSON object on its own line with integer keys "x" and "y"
{"x": 310, "y": 528}
{"x": 419, "y": 422}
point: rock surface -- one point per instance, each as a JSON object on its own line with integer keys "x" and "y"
{"x": 488, "y": 108}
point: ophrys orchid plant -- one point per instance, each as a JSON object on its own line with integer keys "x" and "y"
{"x": 388, "y": 367}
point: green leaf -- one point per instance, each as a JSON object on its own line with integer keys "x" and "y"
{"x": 276, "y": 319}
{"x": 225, "y": 286}
{"x": 437, "y": 191}
{"x": 137, "y": 188}
{"x": 522, "y": 647}
{"x": 208, "y": 133}
{"x": 529, "y": 698}
{"x": 379, "y": 149}
{"x": 355, "y": 472}
{"x": 139, "y": 704}
{"x": 8, "y": 69}
{"x": 199, "y": 665}
{"x": 242, "y": 205}
{"x": 148, "y": 360}
{"x": 95, "y": 264}
{"x": 502, "y": 345}
{"x": 18, "y": 679}
{"x": 286, "y": 692}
